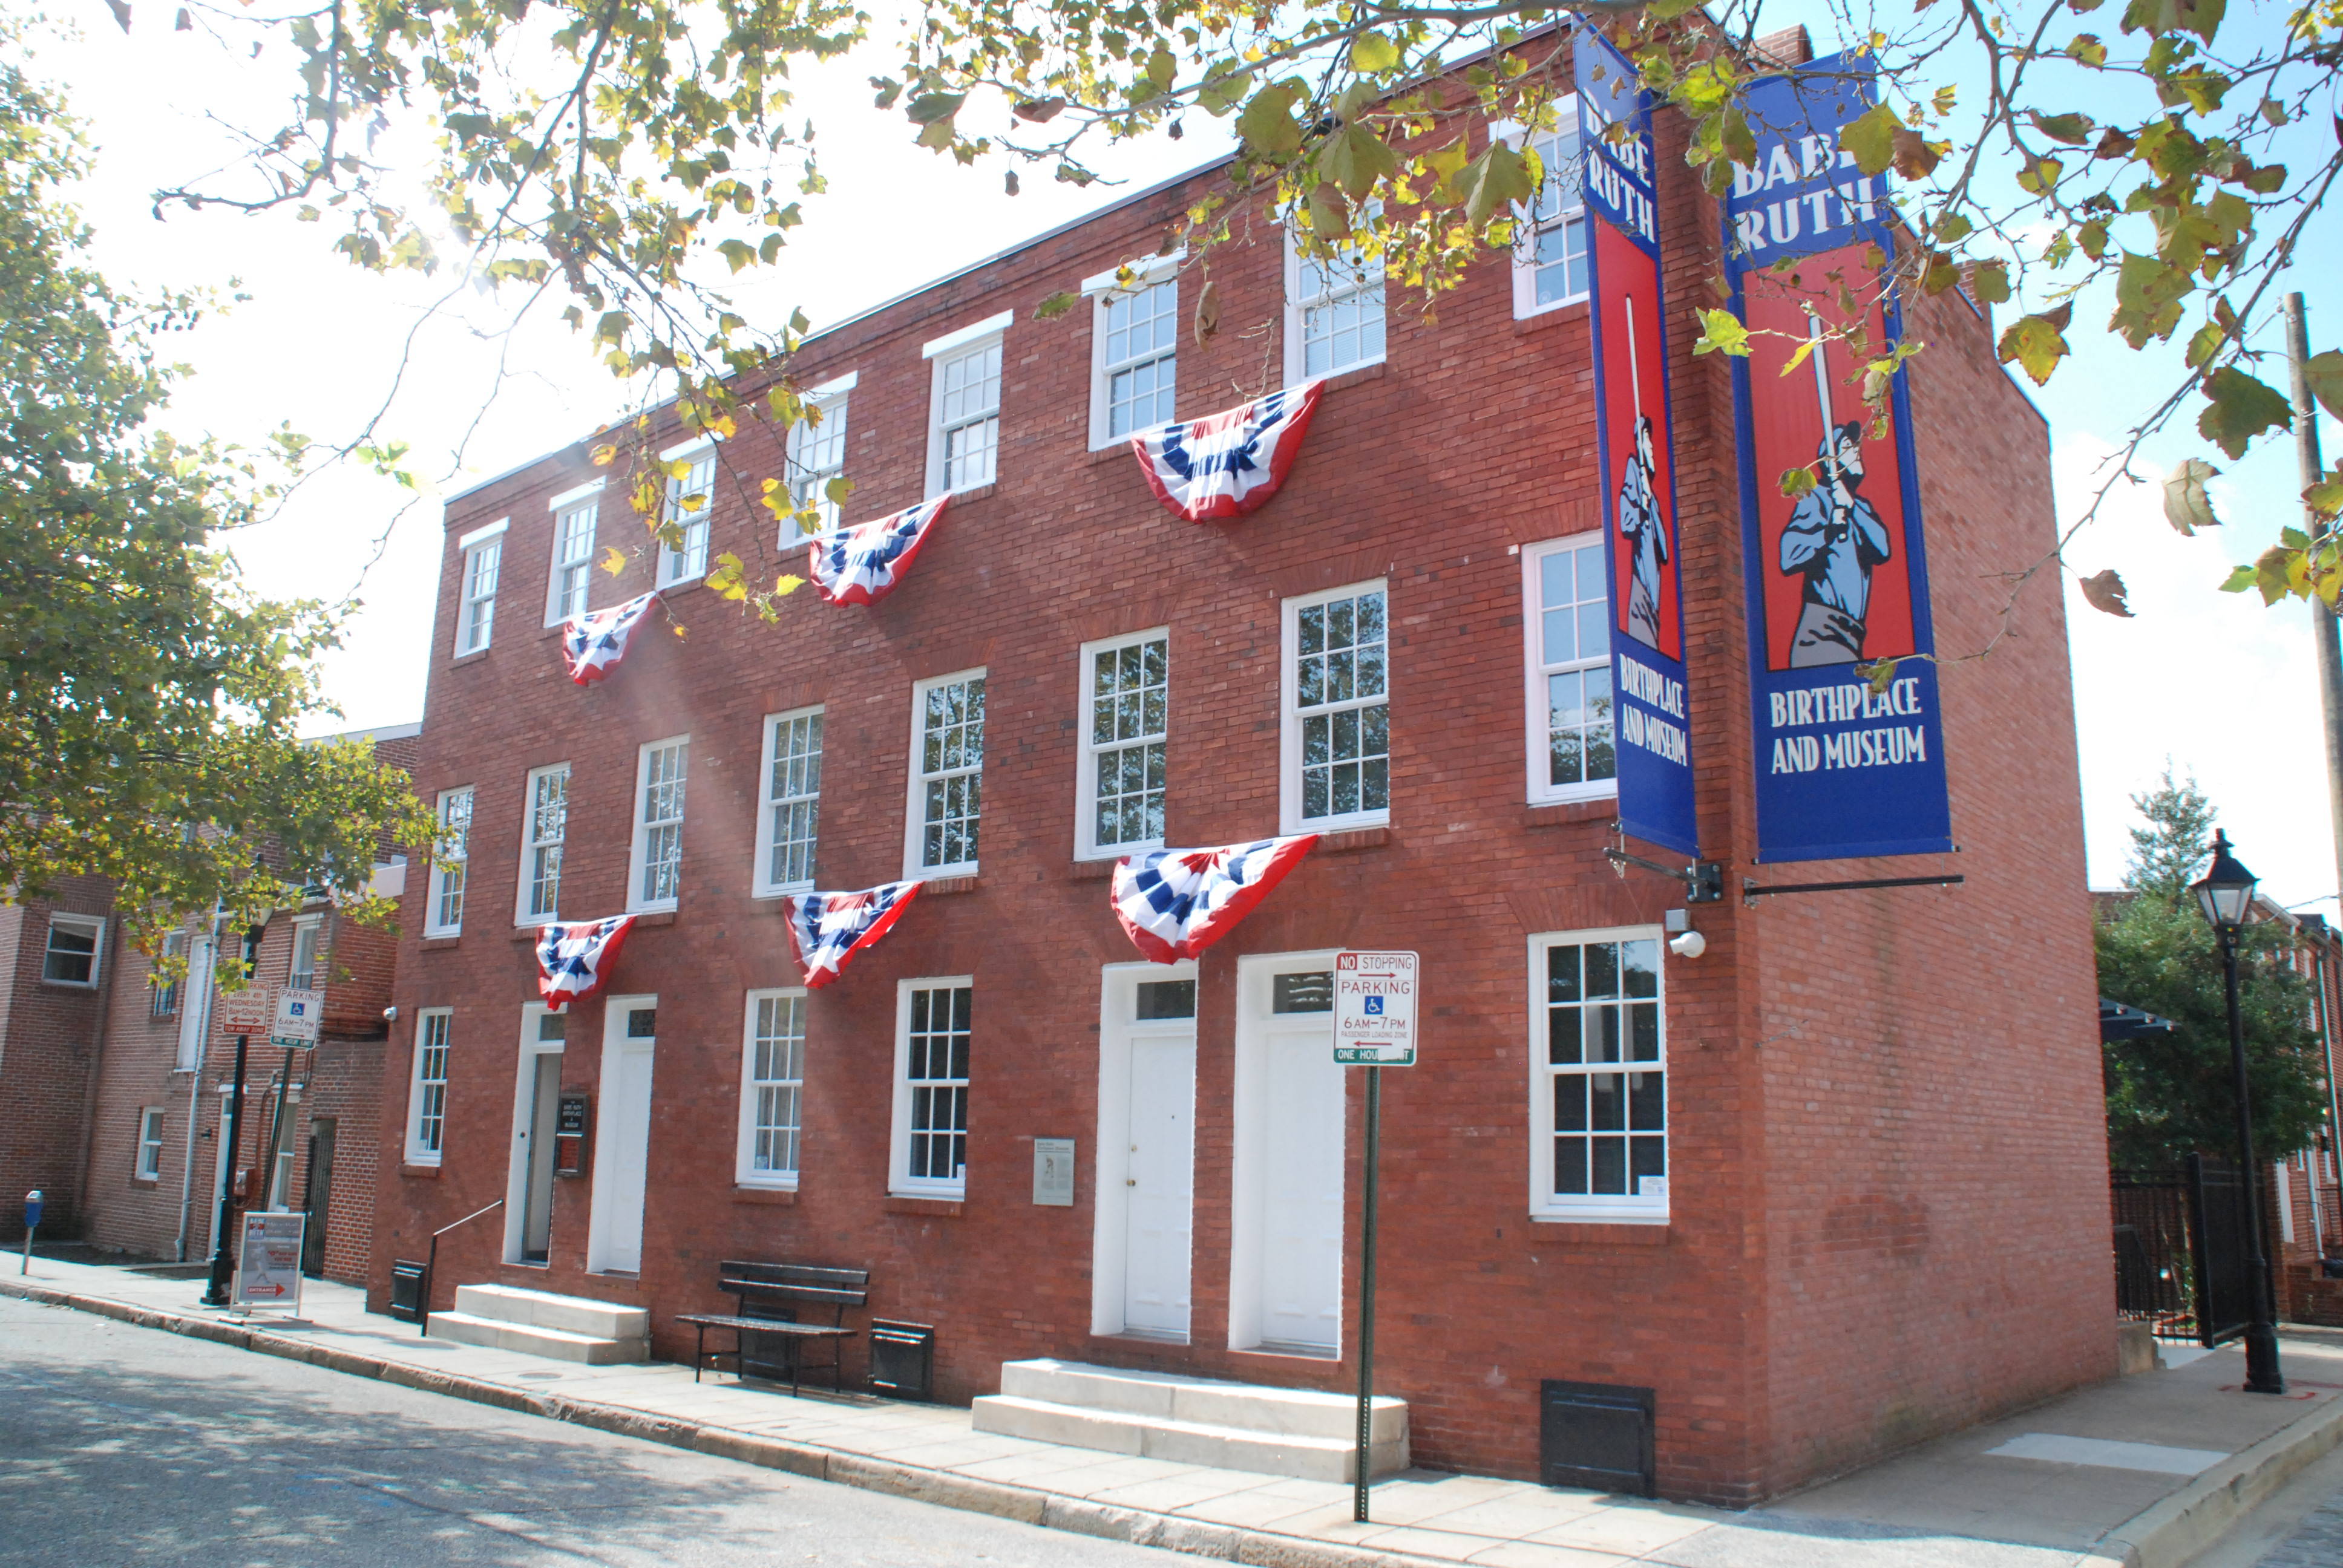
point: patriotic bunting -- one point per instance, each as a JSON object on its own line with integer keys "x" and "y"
{"x": 863, "y": 564}
{"x": 1175, "y": 903}
{"x": 574, "y": 960}
{"x": 829, "y": 929}
{"x": 1224, "y": 465}
{"x": 594, "y": 644}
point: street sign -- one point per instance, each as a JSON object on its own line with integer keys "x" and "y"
{"x": 296, "y": 1023}
{"x": 268, "y": 1265}
{"x": 248, "y": 1011}
{"x": 1374, "y": 1008}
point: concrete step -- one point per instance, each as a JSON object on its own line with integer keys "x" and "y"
{"x": 528, "y": 1339}
{"x": 1203, "y": 1402}
{"x": 1307, "y": 1458}
{"x": 544, "y": 1309}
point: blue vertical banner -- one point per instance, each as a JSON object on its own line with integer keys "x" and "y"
{"x": 1634, "y": 445}
{"x": 1838, "y": 575}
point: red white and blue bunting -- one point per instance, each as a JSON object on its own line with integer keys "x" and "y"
{"x": 574, "y": 960}
{"x": 594, "y": 644}
{"x": 864, "y": 563}
{"x": 829, "y": 929}
{"x": 1224, "y": 465}
{"x": 1175, "y": 903}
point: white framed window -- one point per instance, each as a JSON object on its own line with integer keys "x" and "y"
{"x": 1566, "y": 648}
{"x": 1126, "y": 702}
{"x": 817, "y": 451}
{"x": 149, "y": 1167}
{"x": 571, "y": 582}
{"x": 72, "y": 955}
{"x": 1551, "y": 267}
{"x": 1336, "y": 729}
{"x": 443, "y": 915}
{"x": 964, "y": 406}
{"x": 1598, "y": 1077}
{"x": 657, "y": 875}
{"x": 772, "y": 1088}
{"x": 947, "y": 774}
{"x": 163, "y": 995}
{"x": 426, "y": 1100}
{"x": 302, "y": 973}
{"x": 691, "y": 501}
{"x": 1334, "y": 313}
{"x": 544, "y": 826}
{"x": 929, "y": 1156}
{"x": 476, "y": 592}
{"x": 788, "y": 825}
{"x": 1134, "y": 351}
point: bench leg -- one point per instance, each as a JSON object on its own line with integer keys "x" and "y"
{"x": 698, "y": 1349}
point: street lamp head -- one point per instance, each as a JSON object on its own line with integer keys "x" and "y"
{"x": 2225, "y": 891}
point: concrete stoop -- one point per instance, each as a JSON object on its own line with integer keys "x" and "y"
{"x": 1300, "y": 1432}
{"x": 540, "y": 1323}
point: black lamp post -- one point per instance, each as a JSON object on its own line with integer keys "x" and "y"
{"x": 2226, "y": 893}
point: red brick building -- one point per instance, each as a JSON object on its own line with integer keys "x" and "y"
{"x": 54, "y": 956}
{"x": 1884, "y": 1211}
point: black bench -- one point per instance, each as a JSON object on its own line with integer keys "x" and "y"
{"x": 771, "y": 1296}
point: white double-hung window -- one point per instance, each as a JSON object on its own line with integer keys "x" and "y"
{"x": 1551, "y": 268}
{"x": 71, "y": 958}
{"x": 789, "y": 825}
{"x": 947, "y": 774}
{"x": 929, "y": 1154}
{"x": 443, "y": 914}
{"x": 544, "y": 828}
{"x": 476, "y": 590}
{"x": 964, "y": 406}
{"x": 1336, "y": 729}
{"x": 657, "y": 861}
{"x": 817, "y": 452}
{"x": 1134, "y": 347}
{"x": 772, "y": 1088}
{"x": 1334, "y": 313}
{"x": 302, "y": 973}
{"x": 572, "y": 578}
{"x": 1598, "y": 1077}
{"x": 1126, "y": 702}
{"x": 150, "y": 1144}
{"x": 426, "y": 1100}
{"x": 690, "y": 499}
{"x": 1566, "y": 644}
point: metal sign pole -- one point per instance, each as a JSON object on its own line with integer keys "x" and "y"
{"x": 1367, "y": 1299}
{"x": 216, "y": 1294}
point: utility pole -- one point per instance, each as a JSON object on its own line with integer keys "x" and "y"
{"x": 2322, "y": 619}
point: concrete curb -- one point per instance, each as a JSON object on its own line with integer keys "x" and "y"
{"x": 2167, "y": 1535}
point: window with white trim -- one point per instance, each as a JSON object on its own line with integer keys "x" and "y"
{"x": 772, "y": 1088}
{"x": 71, "y": 958}
{"x": 476, "y": 609}
{"x": 1598, "y": 1077}
{"x": 1566, "y": 645}
{"x": 1126, "y": 698}
{"x": 1551, "y": 262}
{"x": 817, "y": 452}
{"x": 150, "y": 1144}
{"x": 947, "y": 774}
{"x": 1136, "y": 334}
{"x": 658, "y": 856}
{"x": 443, "y": 914}
{"x": 1336, "y": 731}
{"x": 544, "y": 828}
{"x": 964, "y": 406}
{"x": 790, "y": 824}
{"x": 162, "y": 993}
{"x": 1334, "y": 313}
{"x": 427, "y": 1112}
{"x": 302, "y": 974}
{"x": 931, "y": 1079}
{"x": 690, "y": 500}
{"x": 572, "y": 582}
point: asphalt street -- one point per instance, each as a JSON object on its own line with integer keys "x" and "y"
{"x": 128, "y": 1445}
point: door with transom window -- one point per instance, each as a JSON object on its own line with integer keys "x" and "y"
{"x": 1146, "y": 1210}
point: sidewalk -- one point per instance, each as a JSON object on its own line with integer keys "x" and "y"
{"x": 2144, "y": 1471}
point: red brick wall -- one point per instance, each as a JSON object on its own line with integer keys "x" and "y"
{"x": 48, "y": 1045}
{"x": 1887, "y": 1224}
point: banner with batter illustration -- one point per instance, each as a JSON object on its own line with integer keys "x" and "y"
{"x": 1837, "y": 570}
{"x": 1635, "y": 450}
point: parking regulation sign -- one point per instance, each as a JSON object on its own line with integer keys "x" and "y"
{"x": 1374, "y": 1008}
{"x": 296, "y": 1023}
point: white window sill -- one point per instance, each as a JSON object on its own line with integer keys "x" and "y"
{"x": 930, "y": 1194}
{"x": 426, "y": 1162}
{"x": 1549, "y": 308}
{"x": 1608, "y": 790}
{"x": 69, "y": 984}
{"x": 1116, "y": 851}
{"x": 1341, "y": 824}
{"x": 1599, "y": 1217}
{"x": 937, "y": 874}
{"x": 664, "y": 907}
{"x": 791, "y": 890}
{"x": 767, "y": 1183}
{"x": 1332, "y": 371}
{"x": 437, "y": 933}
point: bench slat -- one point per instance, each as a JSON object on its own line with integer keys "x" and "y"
{"x": 797, "y": 1274}
{"x": 792, "y": 1292}
{"x": 764, "y": 1325}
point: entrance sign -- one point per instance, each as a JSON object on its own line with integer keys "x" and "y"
{"x": 268, "y": 1264}
{"x": 1635, "y": 450}
{"x": 1838, "y": 575}
{"x": 295, "y": 1022}
{"x": 248, "y": 1011}
{"x": 1374, "y": 1008}
{"x": 1053, "y": 1173}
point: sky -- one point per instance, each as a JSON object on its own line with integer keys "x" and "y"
{"x": 2211, "y": 685}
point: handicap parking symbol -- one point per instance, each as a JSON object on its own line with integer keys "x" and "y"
{"x": 1374, "y": 1006}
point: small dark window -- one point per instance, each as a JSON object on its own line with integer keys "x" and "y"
{"x": 642, "y": 1022}
{"x": 1302, "y": 993}
{"x": 1166, "y": 998}
{"x": 555, "y": 1026}
{"x": 72, "y": 956}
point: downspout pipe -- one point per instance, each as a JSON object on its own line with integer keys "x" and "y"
{"x": 195, "y": 1085}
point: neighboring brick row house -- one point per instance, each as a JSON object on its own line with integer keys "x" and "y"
{"x": 1846, "y": 1189}
{"x": 53, "y": 953}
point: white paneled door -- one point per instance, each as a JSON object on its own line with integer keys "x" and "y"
{"x": 1286, "y": 1260}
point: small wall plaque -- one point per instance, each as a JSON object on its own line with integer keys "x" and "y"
{"x": 1053, "y": 1173}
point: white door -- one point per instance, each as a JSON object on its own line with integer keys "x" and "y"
{"x": 629, "y": 1032}
{"x": 1286, "y": 1264}
{"x": 1162, "y": 1182}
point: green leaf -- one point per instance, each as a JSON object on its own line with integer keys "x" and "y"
{"x": 1373, "y": 54}
{"x": 1267, "y": 123}
{"x": 1870, "y": 138}
{"x": 2240, "y": 580}
{"x": 1057, "y": 304}
{"x": 1353, "y": 158}
{"x": 2074, "y": 129}
{"x": 928, "y": 108}
{"x": 2036, "y": 342}
{"x": 2239, "y": 408}
{"x": 1721, "y": 332}
{"x": 1990, "y": 282}
{"x": 2325, "y": 374}
{"x": 738, "y": 252}
{"x": 2187, "y": 505}
{"x": 1500, "y": 175}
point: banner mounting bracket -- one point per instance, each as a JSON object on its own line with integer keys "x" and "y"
{"x": 1704, "y": 880}
{"x": 1751, "y": 892}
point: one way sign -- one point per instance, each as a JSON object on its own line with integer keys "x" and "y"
{"x": 1374, "y": 1008}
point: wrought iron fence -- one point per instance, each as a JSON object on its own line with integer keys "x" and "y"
{"x": 2224, "y": 1286}
{"x": 2156, "y": 1253}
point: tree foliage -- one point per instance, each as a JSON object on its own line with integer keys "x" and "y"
{"x": 2169, "y": 1095}
{"x": 147, "y": 718}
